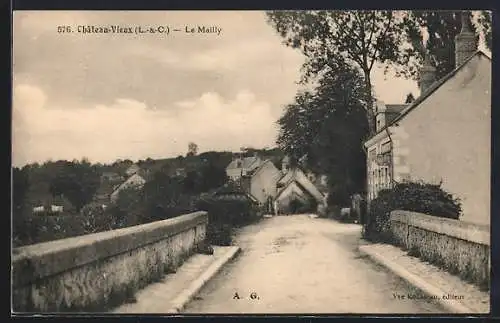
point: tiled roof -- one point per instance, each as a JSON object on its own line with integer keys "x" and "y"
{"x": 105, "y": 189}
{"x": 246, "y": 163}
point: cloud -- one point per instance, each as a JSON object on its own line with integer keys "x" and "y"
{"x": 95, "y": 68}
{"x": 128, "y": 128}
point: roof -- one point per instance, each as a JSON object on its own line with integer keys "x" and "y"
{"x": 290, "y": 178}
{"x": 261, "y": 166}
{"x": 287, "y": 177}
{"x": 296, "y": 183}
{"x": 436, "y": 85}
{"x": 106, "y": 188}
{"x": 58, "y": 200}
{"x": 246, "y": 163}
{"x": 395, "y": 108}
{"x": 133, "y": 167}
{"x": 110, "y": 173}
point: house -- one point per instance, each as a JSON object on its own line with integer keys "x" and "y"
{"x": 234, "y": 191}
{"x": 261, "y": 181}
{"x": 54, "y": 205}
{"x": 294, "y": 186}
{"x": 242, "y": 166}
{"x": 109, "y": 182}
{"x": 134, "y": 181}
{"x": 111, "y": 177}
{"x": 443, "y": 136}
{"x": 104, "y": 191}
{"x": 132, "y": 170}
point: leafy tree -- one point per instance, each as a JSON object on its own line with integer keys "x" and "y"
{"x": 20, "y": 186}
{"x": 441, "y": 27}
{"x": 485, "y": 25}
{"x": 77, "y": 181}
{"x": 22, "y": 231}
{"x": 329, "y": 125}
{"x": 213, "y": 176}
{"x": 192, "y": 149}
{"x": 330, "y": 38}
{"x": 163, "y": 197}
{"x": 192, "y": 183}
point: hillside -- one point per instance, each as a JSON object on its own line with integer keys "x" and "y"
{"x": 40, "y": 176}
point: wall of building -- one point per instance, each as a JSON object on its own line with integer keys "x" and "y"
{"x": 379, "y": 172}
{"x": 447, "y": 137}
{"x": 97, "y": 271}
{"x": 289, "y": 193}
{"x": 460, "y": 247}
{"x": 234, "y": 173}
{"x": 263, "y": 183}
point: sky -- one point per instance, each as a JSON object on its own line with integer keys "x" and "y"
{"x": 127, "y": 96}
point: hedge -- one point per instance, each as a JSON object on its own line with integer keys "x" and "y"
{"x": 224, "y": 215}
{"x": 418, "y": 197}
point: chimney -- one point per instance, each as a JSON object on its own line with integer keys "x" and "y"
{"x": 427, "y": 74}
{"x": 285, "y": 164}
{"x": 465, "y": 42}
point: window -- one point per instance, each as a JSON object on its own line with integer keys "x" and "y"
{"x": 373, "y": 154}
{"x": 385, "y": 148}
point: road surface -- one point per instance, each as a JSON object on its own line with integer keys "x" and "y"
{"x": 302, "y": 265}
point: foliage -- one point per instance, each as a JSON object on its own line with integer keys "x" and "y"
{"x": 163, "y": 196}
{"x": 224, "y": 215}
{"x": 418, "y": 197}
{"x": 363, "y": 38}
{"x": 192, "y": 149}
{"x": 332, "y": 38}
{"x": 78, "y": 181}
{"x": 442, "y": 28}
{"x": 20, "y": 220}
{"x": 486, "y": 28}
{"x": 20, "y": 186}
{"x": 329, "y": 126}
{"x": 204, "y": 179}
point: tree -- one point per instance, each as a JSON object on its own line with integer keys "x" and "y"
{"x": 441, "y": 27}
{"x": 329, "y": 126}
{"x": 20, "y": 186}
{"x": 330, "y": 38}
{"x": 192, "y": 149}
{"x": 77, "y": 181}
{"x": 163, "y": 197}
{"x": 212, "y": 176}
{"x": 485, "y": 24}
{"x": 22, "y": 230}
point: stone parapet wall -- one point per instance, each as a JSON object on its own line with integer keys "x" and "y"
{"x": 461, "y": 248}
{"x": 98, "y": 271}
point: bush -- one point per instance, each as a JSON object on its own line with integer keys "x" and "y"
{"x": 224, "y": 214}
{"x": 418, "y": 197}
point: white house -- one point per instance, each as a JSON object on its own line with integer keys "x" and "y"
{"x": 241, "y": 166}
{"x": 294, "y": 184}
{"x": 260, "y": 182}
{"x": 443, "y": 136}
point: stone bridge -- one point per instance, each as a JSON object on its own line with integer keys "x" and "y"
{"x": 295, "y": 264}
{"x": 95, "y": 272}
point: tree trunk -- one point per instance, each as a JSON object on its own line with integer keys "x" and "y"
{"x": 369, "y": 109}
